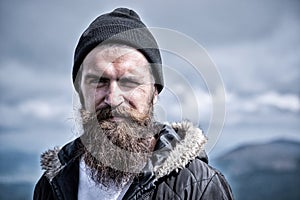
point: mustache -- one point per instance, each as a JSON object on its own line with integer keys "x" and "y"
{"x": 108, "y": 112}
{"x": 129, "y": 114}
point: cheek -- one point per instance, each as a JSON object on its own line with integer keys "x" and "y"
{"x": 140, "y": 98}
{"x": 91, "y": 98}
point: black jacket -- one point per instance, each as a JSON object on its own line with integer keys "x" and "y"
{"x": 179, "y": 170}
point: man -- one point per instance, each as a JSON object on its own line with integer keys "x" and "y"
{"x": 123, "y": 153}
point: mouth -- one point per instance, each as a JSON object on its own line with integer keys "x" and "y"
{"x": 114, "y": 115}
{"x": 116, "y": 119}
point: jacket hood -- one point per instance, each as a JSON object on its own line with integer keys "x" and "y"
{"x": 177, "y": 145}
{"x": 185, "y": 142}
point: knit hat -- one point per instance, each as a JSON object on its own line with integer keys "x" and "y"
{"x": 122, "y": 26}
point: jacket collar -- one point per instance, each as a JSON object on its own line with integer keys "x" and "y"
{"x": 178, "y": 144}
{"x": 54, "y": 160}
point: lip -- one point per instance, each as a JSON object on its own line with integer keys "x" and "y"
{"x": 116, "y": 119}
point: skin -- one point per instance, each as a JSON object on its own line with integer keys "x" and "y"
{"x": 117, "y": 76}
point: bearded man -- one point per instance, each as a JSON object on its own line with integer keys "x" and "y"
{"x": 123, "y": 153}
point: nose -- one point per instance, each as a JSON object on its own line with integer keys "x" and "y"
{"x": 114, "y": 96}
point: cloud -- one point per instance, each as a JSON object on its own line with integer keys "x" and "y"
{"x": 22, "y": 81}
{"x": 270, "y": 108}
{"x": 219, "y": 23}
{"x": 35, "y": 107}
{"x": 255, "y": 44}
{"x": 176, "y": 105}
{"x": 287, "y": 102}
{"x": 262, "y": 64}
{"x": 283, "y": 102}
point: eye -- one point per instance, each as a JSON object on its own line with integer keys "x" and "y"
{"x": 128, "y": 83}
{"x": 98, "y": 81}
{"x": 93, "y": 81}
{"x": 102, "y": 82}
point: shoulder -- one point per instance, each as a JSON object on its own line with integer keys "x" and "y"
{"x": 204, "y": 181}
{"x": 51, "y": 165}
{"x": 43, "y": 189}
{"x": 197, "y": 180}
{"x": 196, "y": 174}
{"x": 54, "y": 160}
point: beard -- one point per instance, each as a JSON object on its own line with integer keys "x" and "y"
{"x": 117, "y": 151}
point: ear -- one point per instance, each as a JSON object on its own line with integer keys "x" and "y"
{"x": 155, "y": 96}
{"x": 81, "y": 98}
{"x": 78, "y": 82}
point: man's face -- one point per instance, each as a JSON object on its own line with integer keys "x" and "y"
{"x": 117, "y": 76}
{"x": 117, "y": 88}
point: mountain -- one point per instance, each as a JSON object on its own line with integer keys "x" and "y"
{"x": 263, "y": 171}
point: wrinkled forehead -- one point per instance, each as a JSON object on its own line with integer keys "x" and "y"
{"x": 128, "y": 59}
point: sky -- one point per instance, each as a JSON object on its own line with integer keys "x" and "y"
{"x": 254, "y": 45}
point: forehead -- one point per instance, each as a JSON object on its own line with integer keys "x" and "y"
{"x": 119, "y": 59}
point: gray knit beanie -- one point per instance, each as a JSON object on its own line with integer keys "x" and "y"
{"x": 122, "y": 26}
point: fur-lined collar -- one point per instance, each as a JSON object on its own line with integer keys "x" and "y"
{"x": 190, "y": 145}
{"x": 50, "y": 163}
{"x": 188, "y": 148}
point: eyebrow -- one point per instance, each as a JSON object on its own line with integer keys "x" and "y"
{"x": 96, "y": 77}
{"x": 125, "y": 77}
{"x": 130, "y": 77}
{"x": 92, "y": 76}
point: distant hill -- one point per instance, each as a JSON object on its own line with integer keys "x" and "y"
{"x": 263, "y": 171}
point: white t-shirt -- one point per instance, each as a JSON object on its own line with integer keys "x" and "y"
{"x": 89, "y": 190}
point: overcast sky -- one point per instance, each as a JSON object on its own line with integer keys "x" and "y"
{"x": 254, "y": 44}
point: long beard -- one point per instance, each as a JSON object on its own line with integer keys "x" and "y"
{"x": 117, "y": 151}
